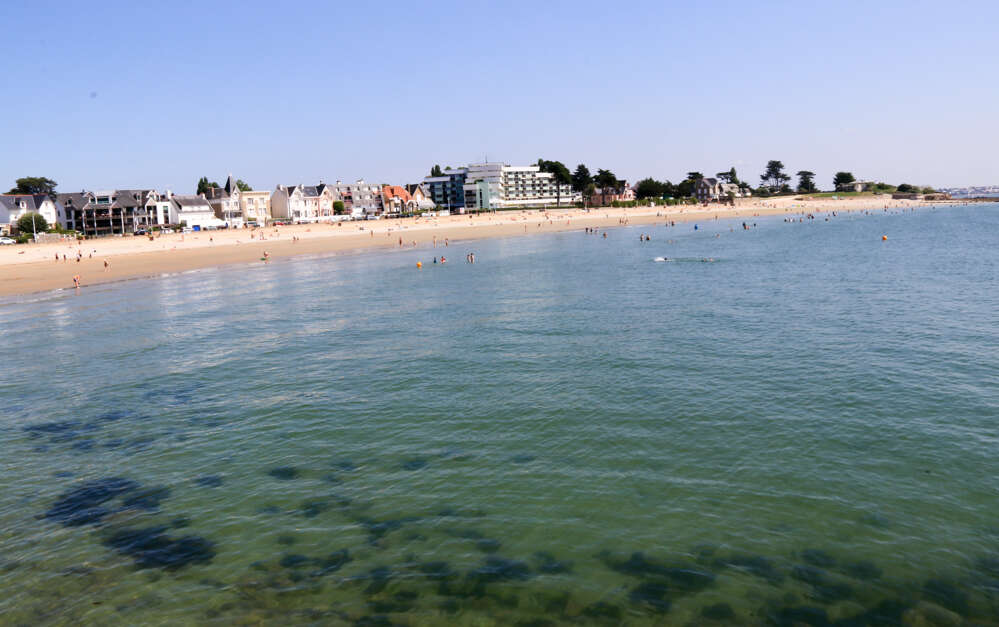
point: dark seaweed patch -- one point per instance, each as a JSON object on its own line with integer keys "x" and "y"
{"x": 180, "y": 522}
{"x": 809, "y": 574}
{"x": 378, "y": 528}
{"x": 295, "y": 561}
{"x": 209, "y": 481}
{"x": 498, "y": 568}
{"x": 414, "y": 464}
{"x": 83, "y": 445}
{"x": 522, "y": 459}
{"x": 755, "y": 565}
{"x": 61, "y": 431}
{"x": 602, "y": 609}
{"x": 682, "y": 578}
{"x": 311, "y": 508}
{"x": 269, "y": 509}
{"x": 801, "y": 615}
{"x": 548, "y": 565}
{"x": 862, "y": 570}
{"x": 333, "y": 562}
{"x": 378, "y": 620}
{"x": 818, "y": 558}
{"x": 284, "y": 473}
{"x": 82, "y": 505}
{"x": 466, "y": 534}
{"x": 832, "y": 592}
{"x": 651, "y": 595}
{"x": 718, "y": 611}
{"x": 488, "y": 545}
{"x": 379, "y": 578}
{"x": 113, "y": 415}
{"x": 147, "y": 498}
{"x": 62, "y": 474}
{"x": 945, "y": 593}
{"x": 436, "y": 571}
{"x": 286, "y": 539}
{"x": 536, "y": 622}
{"x": 152, "y": 548}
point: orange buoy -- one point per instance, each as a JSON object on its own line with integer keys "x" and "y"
{"x": 884, "y": 238}
{"x": 419, "y": 264}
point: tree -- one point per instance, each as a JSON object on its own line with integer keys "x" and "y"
{"x": 806, "y": 181}
{"x": 694, "y": 176}
{"x": 243, "y": 187}
{"x": 728, "y": 177}
{"x": 339, "y": 208}
{"x": 842, "y": 178}
{"x": 204, "y": 185}
{"x": 774, "y": 177}
{"x": 605, "y": 179}
{"x": 436, "y": 171}
{"x": 581, "y": 178}
{"x": 906, "y": 188}
{"x": 649, "y": 188}
{"x": 589, "y": 190}
{"x": 35, "y": 185}
{"x": 32, "y": 223}
{"x": 560, "y": 174}
{"x": 929, "y": 190}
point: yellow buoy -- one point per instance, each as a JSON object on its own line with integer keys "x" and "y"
{"x": 419, "y": 264}
{"x": 884, "y": 238}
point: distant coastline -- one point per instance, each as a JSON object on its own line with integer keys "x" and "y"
{"x": 34, "y": 268}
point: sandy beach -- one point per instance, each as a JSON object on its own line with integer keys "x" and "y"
{"x": 35, "y": 268}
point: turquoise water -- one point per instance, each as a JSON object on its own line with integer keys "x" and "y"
{"x": 803, "y": 431}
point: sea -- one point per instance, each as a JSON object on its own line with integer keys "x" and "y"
{"x": 791, "y": 422}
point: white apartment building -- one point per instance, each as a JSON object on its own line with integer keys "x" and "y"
{"x": 498, "y": 186}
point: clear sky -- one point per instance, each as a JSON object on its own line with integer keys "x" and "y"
{"x": 133, "y": 94}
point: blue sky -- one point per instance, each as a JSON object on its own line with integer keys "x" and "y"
{"x": 116, "y": 94}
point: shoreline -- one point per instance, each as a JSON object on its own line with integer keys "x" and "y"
{"x": 33, "y": 269}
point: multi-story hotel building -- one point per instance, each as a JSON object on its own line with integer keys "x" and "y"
{"x": 498, "y": 186}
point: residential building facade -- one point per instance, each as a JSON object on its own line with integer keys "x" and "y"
{"x": 113, "y": 212}
{"x": 603, "y": 196}
{"x": 194, "y": 211}
{"x": 226, "y": 202}
{"x": 360, "y": 198}
{"x": 499, "y": 186}
{"x": 303, "y": 203}
{"x": 255, "y": 206}
{"x": 448, "y": 190}
{"x": 13, "y": 206}
{"x": 713, "y": 190}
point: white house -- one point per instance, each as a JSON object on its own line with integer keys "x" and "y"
{"x": 13, "y": 206}
{"x": 303, "y": 203}
{"x": 193, "y": 211}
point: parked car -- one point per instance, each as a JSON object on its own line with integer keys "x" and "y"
{"x": 6, "y": 240}
{"x": 140, "y": 232}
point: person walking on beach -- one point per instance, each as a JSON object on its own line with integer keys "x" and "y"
{"x": 107, "y": 265}
{"x": 76, "y": 281}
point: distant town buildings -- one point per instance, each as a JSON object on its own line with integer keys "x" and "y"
{"x": 226, "y": 202}
{"x": 603, "y": 196}
{"x": 713, "y": 190}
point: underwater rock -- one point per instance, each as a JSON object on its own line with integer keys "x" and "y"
{"x": 284, "y": 473}
{"x": 652, "y": 595}
{"x": 209, "y": 481}
{"x": 82, "y": 505}
{"x": 718, "y": 611}
{"x": 152, "y": 548}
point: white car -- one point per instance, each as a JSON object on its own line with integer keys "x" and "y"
{"x": 6, "y": 240}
